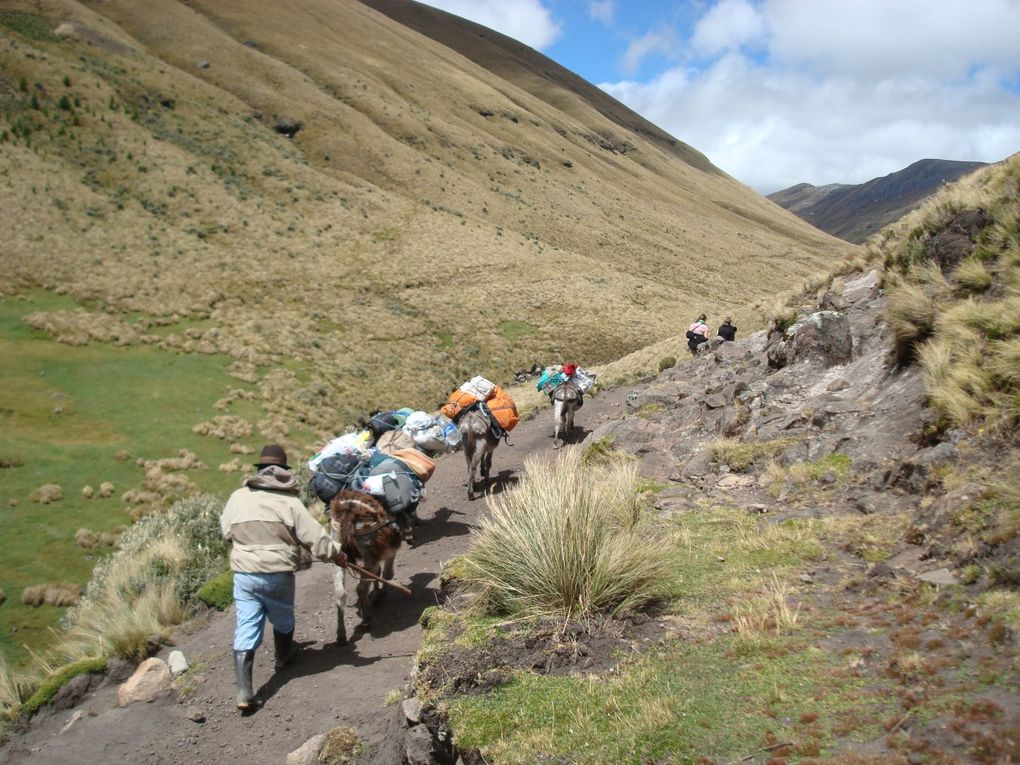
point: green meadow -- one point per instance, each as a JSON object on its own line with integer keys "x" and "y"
{"x": 66, "y": 412}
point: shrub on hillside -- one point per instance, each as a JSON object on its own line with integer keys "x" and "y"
{"x": 568, "y": 540}
{"x": 667, "y": 362}
{"x": 150, "y": 583}
{"x": 218, "y": 592}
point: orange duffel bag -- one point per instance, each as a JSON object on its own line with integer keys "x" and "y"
{"x": 503, "y": 409}
{"x": 457, "y": 403}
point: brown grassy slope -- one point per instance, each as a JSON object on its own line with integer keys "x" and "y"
{"x": 430, "y": 220}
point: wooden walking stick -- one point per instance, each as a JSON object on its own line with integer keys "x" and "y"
{"x": 370, "y": 575}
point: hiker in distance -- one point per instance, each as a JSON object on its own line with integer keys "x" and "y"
{"x": 267, "y": 525}
{"x": 727, "y": 330}
{"x": 697, "y": 333}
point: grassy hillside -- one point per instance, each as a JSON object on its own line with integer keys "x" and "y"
{"x": 445, "y": 210}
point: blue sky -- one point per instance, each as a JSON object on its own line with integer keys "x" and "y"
{"x": 778, "y": 92}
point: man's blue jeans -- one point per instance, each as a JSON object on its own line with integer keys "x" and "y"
{"x": 258, "y": 596}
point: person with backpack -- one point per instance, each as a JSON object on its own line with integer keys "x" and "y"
{"x": 727, "y": 331}
{"x": 697, "y": 333}
{"x": 267, "y": 526}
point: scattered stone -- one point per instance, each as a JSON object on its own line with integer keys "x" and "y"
{"x": 939, "y": 576}
{"x": 419, "y": 748}
{"x": 75, "y": 717}
{"x": 837, "y": 385}
{"x": 735, "y": 481}
{"x": 412, "y": 710}
{"x": 308, "y": 752}
{"x": 151, "y": 679}
{"x": 880, "y": 571}
{"x": 58, "y": 410}
{"x": 74, "y": 690}
{"x": 177, "y": 663}
{"x": 720, "y": 558}
{"x": 863, "y": 287}
{"x": 65, "y": 30}
{"x": 287, "y": 126}
{"x": 202, "y": 64}
{"x": 715, "y": 401}
{"x": 195, "y": 714}
{"x": 807, "y": 578}
{"x": 250, "y": 44}
{"x": 757, "y": 507}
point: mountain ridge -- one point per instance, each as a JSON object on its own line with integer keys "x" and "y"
{"x": 855, "y": 211}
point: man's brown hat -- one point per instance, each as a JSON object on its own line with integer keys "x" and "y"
{"x": 273, "y": 454}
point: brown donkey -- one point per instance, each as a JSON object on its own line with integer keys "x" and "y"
{"x": 365, "y": 531}
{"x": 479, "y": 444}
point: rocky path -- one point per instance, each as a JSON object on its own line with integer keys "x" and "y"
{"x": 328, "y": 685}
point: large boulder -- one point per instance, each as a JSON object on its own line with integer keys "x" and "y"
{"x": 823, "y": 336}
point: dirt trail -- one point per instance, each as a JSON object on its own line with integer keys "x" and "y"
{"x": 328, "y": 685}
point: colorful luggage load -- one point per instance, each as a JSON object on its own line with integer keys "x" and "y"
{"x": 501, "y": 409}
{"x": 434, "y": 433}
{"x": 554, "y": 376}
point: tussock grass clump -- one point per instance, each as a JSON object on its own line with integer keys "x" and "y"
{"x": 342, "y": 746}
{"x": 60, "y": 594}
{"x": 568, "y": 540}
{"x": 956, "y": 304}
{"x": 739, "y": 455}
{"x": 150, "y": 583}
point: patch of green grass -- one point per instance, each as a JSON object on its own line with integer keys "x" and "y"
{"x": 650, "y": 485}
{"x": 51, "y": 685}
{"x": 139, "y": 400}
{"x": 746, "y": 547}
{"x": 685, "y": 704}
{"x": 649, "y": 410}
{"x": 28, "y": 25}
{"x": 513, "y": 329}
{"x": 218, "y": 592}
{"x": 601, "y": 451}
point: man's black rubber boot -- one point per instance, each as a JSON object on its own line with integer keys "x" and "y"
{"x": 283, "y": 646}
{"x": 243, "y": 663}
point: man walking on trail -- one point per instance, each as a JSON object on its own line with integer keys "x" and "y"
{"x": 697, "y": 333}
{"x": 266, "y": 524}
{"x": 727, "y": 331}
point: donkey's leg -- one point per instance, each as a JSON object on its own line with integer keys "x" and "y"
{"x": 570, "y": 417}
{"x": 474, "y": 457}
{"x": 487, "y": 462}
{"x": 338, "y": 598}
{"x": 558, "y": 423}
{"x": 364, "y": 600}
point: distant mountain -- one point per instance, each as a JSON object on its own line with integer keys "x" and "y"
{"x": 854, "y": 212}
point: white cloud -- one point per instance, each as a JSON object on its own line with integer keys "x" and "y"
{"x": 727, "y": 26}
{"x": 662, "y": 41}
{"x": 526, "y": 20}
{"x": 601, "y": 10}
{"x": 771, "y": 129}
{"x": 907, "y": 37}
{"x": 785, "y": 91}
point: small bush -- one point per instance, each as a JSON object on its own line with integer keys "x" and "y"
{"x": 47, "y": 493}
{"x": 568, "y": 540}
{"x": 973, "y": 275}
{"x": 49, "y": 687}
{"x": 60, "y": 594}
{"x": 218, "y": 592}
{"x": 342, "y": 747}
{"x": 667, "y": 362}
{"x": 911, "y": 316}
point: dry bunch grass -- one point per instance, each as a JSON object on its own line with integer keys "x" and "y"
{"x": 60, "y": 594}
{"x": 47, "y": 494}
{"x": 567, "y": 540}
{"x": 771, "y": 614}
